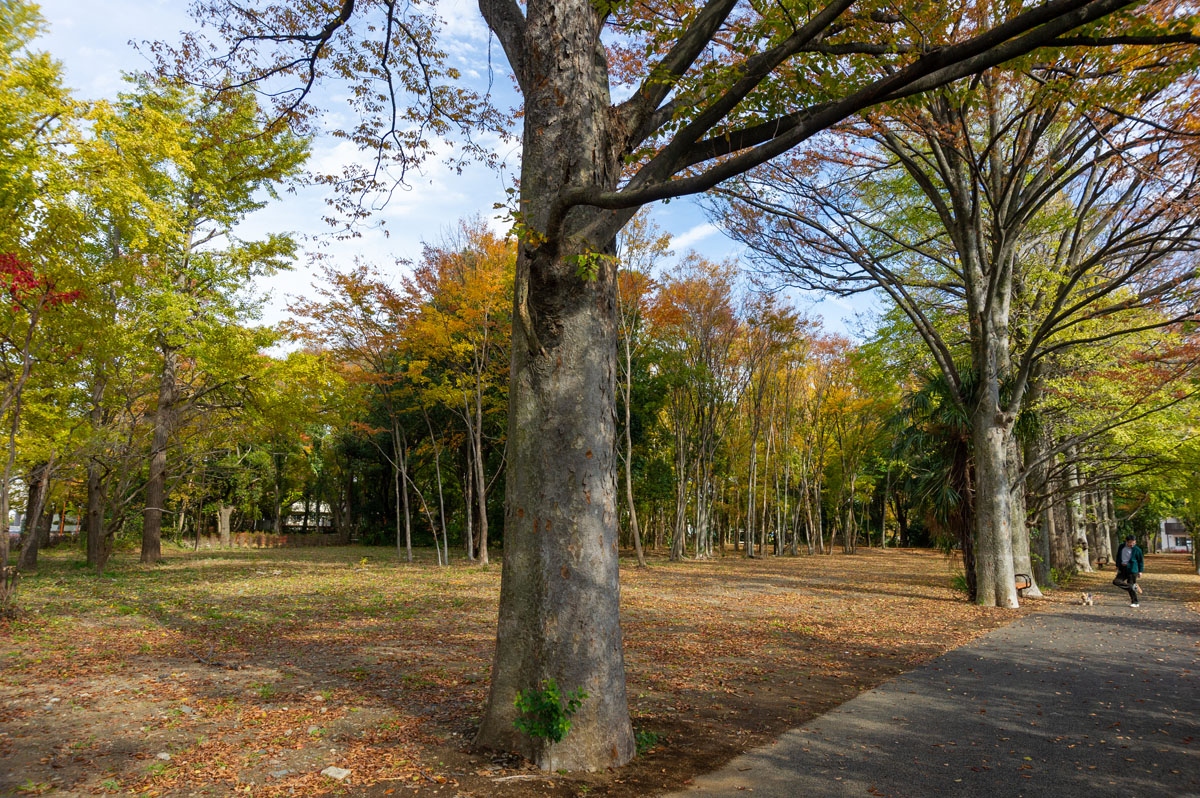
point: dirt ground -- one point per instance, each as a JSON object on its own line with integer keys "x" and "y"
{"x": 248, "y": 672}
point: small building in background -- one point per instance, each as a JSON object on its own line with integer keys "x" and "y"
{"x": 1173, "y": 537}
{"x": 56, "y": 527}
{"x": 320, "y": 517}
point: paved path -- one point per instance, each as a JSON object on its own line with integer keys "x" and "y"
{"x": 1072, "y": 702}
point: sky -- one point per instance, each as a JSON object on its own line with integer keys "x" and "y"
{"x": 94, "y": 39}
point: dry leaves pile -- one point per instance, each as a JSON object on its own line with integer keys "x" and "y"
{"x": 249, "y": 672}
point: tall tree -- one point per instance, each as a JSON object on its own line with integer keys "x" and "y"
{"x": 641, "y": 246}
{"x": 695, "y": 323}
{"x": 361, "y": 319}
{"x": 464, "y": 289}
{"x": 62, "y": 159}
{"x": 1038, "y": 215}
{"x": 230, "y": 166}
{"x": 716, "y": 89}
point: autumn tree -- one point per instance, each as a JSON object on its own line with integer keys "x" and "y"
{"x": 771, "y": 329}
{"x": 305, "y": 389}
{"x": 641, "y": 246}
{"x": 1108, "y": 413}
{"x": 696, "y": 327}
{"x": 29, "y": 296}
{"x": 32, "y": 98}
{"x": 1034, "y": 215}
{"x": 360, "y": 318}
{"x": 62, "y": 158}
{"x": 230, "y": 165}
{"x": 712, "y": 90}
{"x": 463, "y": 288}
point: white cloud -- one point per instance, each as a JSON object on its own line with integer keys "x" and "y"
{"x": 841, "y": 303}
{"x": 463, "y": 22}
{"x": 691, "y": 236}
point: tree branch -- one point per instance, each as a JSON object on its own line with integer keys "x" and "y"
{"x": 505, "y": 19}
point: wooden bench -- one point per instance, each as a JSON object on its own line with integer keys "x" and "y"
{"x": 1024, "y": 582}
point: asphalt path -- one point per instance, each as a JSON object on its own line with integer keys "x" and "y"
{"x": 1075, "y": 701}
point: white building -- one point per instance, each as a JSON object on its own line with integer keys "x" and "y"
{"x": 60, "y": 526}
{"x": 320, "y": 516}
{"x": 1173, "y": 536}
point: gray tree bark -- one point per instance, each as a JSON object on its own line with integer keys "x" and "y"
{"x": 1022, "y": 557}
{"x": 1111, "y": 514}
{"x": 1076, "y": 529}
{"x": 1037, "y": 484}
{"x": 993, "y": 543}
{"x": 816, "y": 518}
{"x": 224, "y": 514}
{"x": 400, "y": 484}
{"x": 469, "y": 504}
{"x": 1104, "y": 525}
{"x": 560, "y": 593}
{"x": 1091, "y": 525}
{"x": 679, "y": 536}
{"x": 35, "y": 506}
{"x": 94, "y": 520}
{"x": 444, "y": 549}
{"x": 156, "y": 485}
{"x": 634, "y": 531}
{"x": 1063, "y": 559}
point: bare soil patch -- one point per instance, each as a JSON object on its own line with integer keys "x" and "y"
{"x": 248, "y": 672}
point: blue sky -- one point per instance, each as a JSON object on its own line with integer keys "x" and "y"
{"x": 93, "y": 40}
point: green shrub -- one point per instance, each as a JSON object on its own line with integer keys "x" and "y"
{"x": 959, "y": 582}
{"x": 646, "y": 740}
{"x": 544, "y": 714}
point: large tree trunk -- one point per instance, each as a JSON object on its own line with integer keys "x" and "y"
{"x": 31, "y": 531}
{"x": 46, "y": 529}
{"x": 1037, "y": 484}
{"x": 1076, "y": 530}
{"x": 991, "y": 428}
{"x": 224, "y": 514}
{"x": 94, "y": 521}
{"x": 559, "y": 596}
{"x": 1022, "y": 558}
{"x": 156, "y": 486}
{"x": 995, "y": 583}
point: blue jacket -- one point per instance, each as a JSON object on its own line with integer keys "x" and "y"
{"x": 1136, "y": 563}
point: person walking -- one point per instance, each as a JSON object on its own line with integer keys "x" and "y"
{"x": 1129, "y": 565}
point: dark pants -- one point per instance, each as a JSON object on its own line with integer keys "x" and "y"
{"x": 1129, "y": 578}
